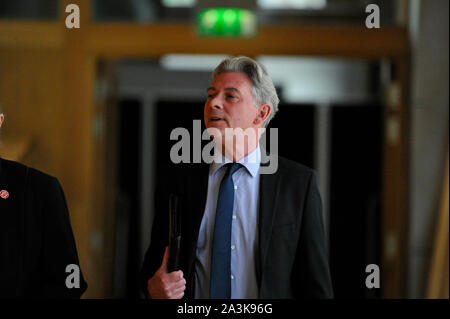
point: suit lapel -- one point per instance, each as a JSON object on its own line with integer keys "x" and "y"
{"x": 268, "y": 195}
{"x": 197, "y": 192}
{"x": 204, "y": 174}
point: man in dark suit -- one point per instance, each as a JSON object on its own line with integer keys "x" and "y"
{"x": 38, "y": 255}
{"x": 245, "y": 233}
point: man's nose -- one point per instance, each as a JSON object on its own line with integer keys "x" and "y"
{"x": 216, "y": 103}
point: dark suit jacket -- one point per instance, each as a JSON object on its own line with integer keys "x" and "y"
{"x": 36, "y": 240}
{"x": 292, "y": 258}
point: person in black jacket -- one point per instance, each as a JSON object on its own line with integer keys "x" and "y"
{"x": 256, "y": 234}
{"x": 38, "y": 255}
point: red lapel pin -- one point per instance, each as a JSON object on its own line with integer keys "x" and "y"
{"x": 4, "y": 194}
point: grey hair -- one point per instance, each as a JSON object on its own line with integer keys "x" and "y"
{"x": 263, "y": 89}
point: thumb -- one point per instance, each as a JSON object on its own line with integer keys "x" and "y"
{"x": 165, "y": 260}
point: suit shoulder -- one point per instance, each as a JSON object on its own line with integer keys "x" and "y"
{"x": 41, "y": 177}
{"x": 294, "y": 167}
{"x": 12, "y": 166}
{"x": 35, "y": 176}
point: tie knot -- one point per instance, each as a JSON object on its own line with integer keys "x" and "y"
{"x": 232, "y": 168}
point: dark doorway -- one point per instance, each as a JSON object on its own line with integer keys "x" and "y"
{"x": 295, "y": 123}
{"x": 171, "y": 115}
{"x": 127, "y": 246}
{"x": 355, "y": 196}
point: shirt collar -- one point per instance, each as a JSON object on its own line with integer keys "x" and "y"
{"x": 251, "y": 162}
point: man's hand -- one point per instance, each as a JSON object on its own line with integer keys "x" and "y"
{"x": 164, "y": 285}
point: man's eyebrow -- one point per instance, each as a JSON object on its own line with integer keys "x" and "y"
{"x": 226, "y": 89}
{"x": 232, "y": 89}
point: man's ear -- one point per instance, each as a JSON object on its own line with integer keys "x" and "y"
{"x": 2, "y": 117}
{"x": 264, "y": 111}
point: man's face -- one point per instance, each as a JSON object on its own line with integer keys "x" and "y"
{"x": 230, "y": 103}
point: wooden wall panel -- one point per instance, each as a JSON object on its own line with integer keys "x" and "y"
{"x": 395, "y": 199}
{"x": 29, "y": 35}
{"x": 439, "y": 267}
{"x": 37, "y": 107}
{"x": 119, "y": 40}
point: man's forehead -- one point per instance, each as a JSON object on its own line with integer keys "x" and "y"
{"x": 231, "y": 81}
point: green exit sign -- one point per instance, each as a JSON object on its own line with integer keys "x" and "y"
{"x": 226, "y": 22}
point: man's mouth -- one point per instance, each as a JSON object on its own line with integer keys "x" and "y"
{"x": 215, "y": 119}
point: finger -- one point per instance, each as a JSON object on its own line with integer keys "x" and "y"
{"x": 176, "y": 275}
{"x": 173, "y": 292}
{"x": 178, "y": 285}
{"x": 177, "y": 295}
{"x": 165, "y": 259}
{"x": 171, "y": 285}
{"x": 179, "y": 290}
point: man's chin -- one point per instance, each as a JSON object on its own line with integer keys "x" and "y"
{"x": 218, "y": 126}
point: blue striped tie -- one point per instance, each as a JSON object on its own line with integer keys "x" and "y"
{"x": 220, "y": 281}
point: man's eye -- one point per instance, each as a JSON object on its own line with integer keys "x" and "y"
{"x": 210, "y": 96}
{"x": 230, "y": 96}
